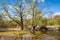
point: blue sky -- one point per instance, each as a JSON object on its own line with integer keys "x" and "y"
{"x": 53, "y": 5}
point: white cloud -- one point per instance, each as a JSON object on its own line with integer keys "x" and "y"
{"x": 12, "y": 7}
{"x": 58, "y": 13}
{"x": 40, "y": 1}
{"x": 29, "y": 16}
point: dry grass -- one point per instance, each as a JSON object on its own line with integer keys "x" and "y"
{"x": 36, "y": 35}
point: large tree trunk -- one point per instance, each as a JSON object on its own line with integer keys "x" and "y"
{"x": 21, "y": 16}
{"x": 21, "y": 21}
